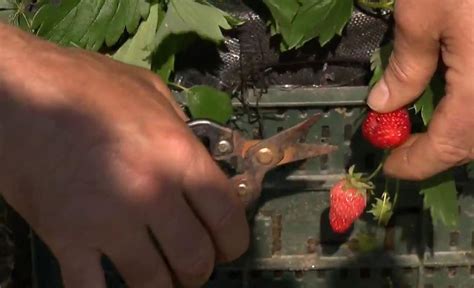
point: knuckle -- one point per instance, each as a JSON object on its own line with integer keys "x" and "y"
{"x": 450, "y": 154}
{"x": 177, "y": 143}
{"x": 400, "y": 71}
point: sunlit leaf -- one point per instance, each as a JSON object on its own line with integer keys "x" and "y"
{"x": 206, "y": 102}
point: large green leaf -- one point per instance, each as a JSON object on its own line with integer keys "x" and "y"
{"x": 184, "y": 21}
{"x": 208, "y": 103}
{"x": 88, "y": 24}
{"x": 314, "y": 18}
{"x": 283, "y": 12}
{"x": 136, "y": 50}
{"x": 440, "y": 197}
{"x": 189, "y": 16}
{"x": 336, "y": 20}
{"x": 164, "y": 56}
{"x": 163, "y": 66}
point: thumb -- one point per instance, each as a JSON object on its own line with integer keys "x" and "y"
{"x": 412, "y": 62}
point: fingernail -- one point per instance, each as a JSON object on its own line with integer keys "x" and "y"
{"x": 378, "y": 96}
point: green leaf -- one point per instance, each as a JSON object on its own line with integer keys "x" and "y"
{"x": 425, "y": 105}
{"x": 382, "y": 209}
{"x": 208, "y": 103}
{"x": 184, "y": 22}
{"x": 88, "y": 24}
{"x": 135, "y": 51}
{"x": 430, "y": 98}
{"x": 7, "y": 4}
{"x": 379, "y": 61}
{"x": 440, "y": 197}
{"x": 337, "y": 19}
{"x": 189, "y": 16}
{"x": 164, "y": 56}
{"x": 163, "y": 66}
{"x": 16, "y": 12}
{"x": 7, "y": 10}
{"x": 283, "y": 12}
{"x": 314, "y": 18}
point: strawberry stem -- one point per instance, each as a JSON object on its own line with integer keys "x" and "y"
{"x": 376, "y": 171}
{"x": 379, "y": 167}
{"x": 176, "y": 85}
{"x": 397, "y": 189}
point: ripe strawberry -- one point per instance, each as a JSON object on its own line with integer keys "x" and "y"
{"x": 387, "y": 130}
{"x": 348, "y": 199}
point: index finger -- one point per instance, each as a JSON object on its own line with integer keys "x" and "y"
{"x": 210, "y": 193}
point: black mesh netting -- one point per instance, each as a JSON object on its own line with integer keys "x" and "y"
{"x": 250, "y": 57}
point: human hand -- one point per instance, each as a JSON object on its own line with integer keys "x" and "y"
{"x": 96, "y": 155}
{"x": 426, "y": 29}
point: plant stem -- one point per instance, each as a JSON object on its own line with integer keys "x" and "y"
{"x": 376, "y": 171}
{"x": 179, "y": 86}
{"x": 379, "y": 167}
{"x": 397, "y": 189}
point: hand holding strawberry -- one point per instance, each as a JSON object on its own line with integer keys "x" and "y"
{"x": 445, "y": 35}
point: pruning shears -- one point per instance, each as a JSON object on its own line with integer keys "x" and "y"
{"x": 251, "y": 159}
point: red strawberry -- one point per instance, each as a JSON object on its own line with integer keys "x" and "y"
{"x": 387, "y": 130}
{"x": 348, "y": 199}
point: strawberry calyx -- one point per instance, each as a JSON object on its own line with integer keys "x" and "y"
{"x": 356, "y": 181}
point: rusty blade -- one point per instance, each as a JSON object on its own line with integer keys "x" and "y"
{"x": 282, "y": 140}
{"x": 302, "y": 151}
{"x": 293, "y": 134}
